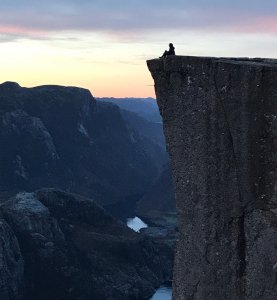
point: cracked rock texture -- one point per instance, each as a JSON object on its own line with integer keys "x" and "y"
{"x": 220, "y": 123}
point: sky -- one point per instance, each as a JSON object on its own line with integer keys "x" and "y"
{"x": 103, "y": 45}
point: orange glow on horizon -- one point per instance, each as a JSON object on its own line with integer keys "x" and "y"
{"x": 110, "y": 68}
{"x": 105, "y": 71}
{"x": 268, "y": 25}
{"x": 21, "y": 30}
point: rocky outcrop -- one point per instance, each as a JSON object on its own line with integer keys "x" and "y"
{"x": 56, "y": 245}
{"x": 54, "y": 136}
{"x": 220, "y": 122}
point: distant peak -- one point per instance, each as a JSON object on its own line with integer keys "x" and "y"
{"x": 10, "y": 85}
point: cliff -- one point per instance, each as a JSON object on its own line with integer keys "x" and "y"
{"x": 220, "y": 123}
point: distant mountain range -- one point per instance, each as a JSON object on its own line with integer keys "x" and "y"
{"x": 144, "y": 107}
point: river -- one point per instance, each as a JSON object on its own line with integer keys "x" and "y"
{"x": 136, "y": 224}
{"x": 163, "y": 293}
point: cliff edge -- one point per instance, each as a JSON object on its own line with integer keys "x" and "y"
{"x": 220, "y": 123}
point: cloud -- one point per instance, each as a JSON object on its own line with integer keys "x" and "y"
{"x": 124, "y": 18}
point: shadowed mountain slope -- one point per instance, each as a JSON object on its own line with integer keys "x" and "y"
{"x": 54, "y": 136}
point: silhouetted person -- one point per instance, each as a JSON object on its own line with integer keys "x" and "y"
{"x": 171, "y": 51}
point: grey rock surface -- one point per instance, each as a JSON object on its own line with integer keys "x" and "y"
{"x": 220, "y": 123}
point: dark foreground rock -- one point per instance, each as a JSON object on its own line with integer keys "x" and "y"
{"x": 11, "y": 264}
{"x": 56, "y": 245}
{"x": 220, "y": 122}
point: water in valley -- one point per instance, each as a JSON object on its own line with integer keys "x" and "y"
{"x": 163, "y": 293}
{"x": 136, "y": 224}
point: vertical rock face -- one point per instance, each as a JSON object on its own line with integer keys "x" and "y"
{"x": 220, "y": 122}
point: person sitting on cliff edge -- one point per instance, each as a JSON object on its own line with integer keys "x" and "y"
{"x": 171, "y": 51}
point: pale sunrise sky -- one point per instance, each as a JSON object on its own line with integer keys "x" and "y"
{"x": 102, "y": 45}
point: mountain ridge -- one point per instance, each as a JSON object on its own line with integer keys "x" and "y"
{"x": 60, "y": 137}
